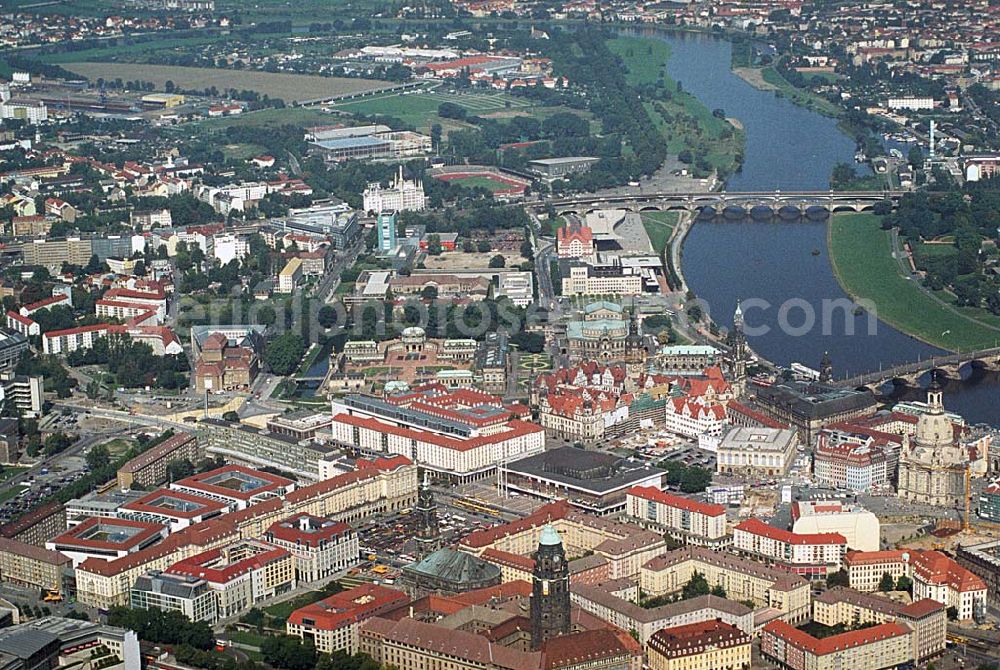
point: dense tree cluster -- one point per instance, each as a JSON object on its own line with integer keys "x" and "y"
{"x": 585, "y": 59}
{"x": 132, "y": 363}
{"x": 284, "y": 352}
{"x": 155, "y": 625}
{"x": 959, "y": 223}
{"x": 484, "y": 218}
{"x": 689, "y": 478}
{"x": 50, "y": 368}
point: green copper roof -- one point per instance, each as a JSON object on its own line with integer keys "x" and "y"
{"x": 602, "y": 304}
{"x": 455, "y": 566}
{"x": 550, "y": 536}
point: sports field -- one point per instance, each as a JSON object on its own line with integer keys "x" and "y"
{"x": 288, "y": 87}
{"x": 491, "y": 181}
{"x": 421, "y": 109}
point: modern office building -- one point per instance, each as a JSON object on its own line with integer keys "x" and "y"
{"x": 256, "y": 448}
{"x": 385, "y": 225}
{"x": 187, "y": 594}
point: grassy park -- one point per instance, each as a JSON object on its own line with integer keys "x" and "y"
{"x": 861, "y": 253}
{"x": 491, "y": 185}
{"x": 683, "y": 120}
{"x": 660, "y": 226}
{"x": 802, "y": 97}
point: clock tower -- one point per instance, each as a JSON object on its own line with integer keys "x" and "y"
{"x": 550, "y": 609}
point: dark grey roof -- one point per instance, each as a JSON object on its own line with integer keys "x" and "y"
{"x": 814, "y": 401}
{"x": 594, "y": 471}
{"x": 26, "y": 643}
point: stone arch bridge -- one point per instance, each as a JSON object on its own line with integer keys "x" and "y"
{"x": 948, "y": 365}
{"x": 735, "y": 203}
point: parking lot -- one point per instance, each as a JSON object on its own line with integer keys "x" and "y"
{"x": 37, "y": 486}
{"x": 388, "y": 543}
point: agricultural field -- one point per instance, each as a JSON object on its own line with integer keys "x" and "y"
{"x": 268, "y": 118}
{"x": 134, "y": 50}
{"x": 288, "y": 87}
{"x": 861, "y": 253}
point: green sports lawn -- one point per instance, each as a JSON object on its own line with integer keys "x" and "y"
{"x": 420, "y": 109}
{"x": 861, "y": 253}
{"x": 481, "y": 182}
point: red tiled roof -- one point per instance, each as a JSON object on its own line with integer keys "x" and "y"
{"x": 73, "y": 538}
{"x": 694, "y": 637}
{"x": 144, "y": 504}
{"x": 159, "y": 451}
{"x": 819, "y": 647}
{"x": 671, "y": 500}
{"x": 567, "y": 234}
{"x": 30, "y": 551}
{"x": 757, "y": 527}
{"x": 347, "y": 607}
{"x": 936, "y": 568}
{"x": 11, "y": 314}
{"x": 129, "y": 294}
{"x": 319, "y": 529}
{"x": 47, "y": 302}
{"x": 516, "y": 428}
{"x": 199, "y": 482}
{"x": 97, "y": 327}
{"x": 853, "y": 557}
{"x": 484, "y": 538}
{"x": 200, "y": 565}
{"x": 499, "y": 557}
{"x": 514, "y": 589}
{"x": 757, "y": 417}
{"x": 460, "y": 63}
{"x": 583, "y": 648}
{"x": 921, "y": 608}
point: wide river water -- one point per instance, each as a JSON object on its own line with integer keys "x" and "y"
{"x": 786, "y": 264}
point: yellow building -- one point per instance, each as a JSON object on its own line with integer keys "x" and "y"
{"x": 886, "y": 645}
{"x": 742, "y": 579}
{"x": 382, "y": 486}
{"x": 290, "y": 275}
{"x": 163, "y": 99}
{"x": 706, "y": 645}
{"x": 31, "y": 566}
{"x": 926, "y": 618}
{"x": 626, "y": 546}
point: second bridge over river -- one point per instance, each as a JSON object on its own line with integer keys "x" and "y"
{"x": 735, "y": 203}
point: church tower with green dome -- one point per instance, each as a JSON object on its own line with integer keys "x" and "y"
{"x": 550, "y": 607}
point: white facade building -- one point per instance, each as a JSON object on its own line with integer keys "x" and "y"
{"x": 403, "y": 195}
